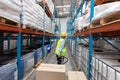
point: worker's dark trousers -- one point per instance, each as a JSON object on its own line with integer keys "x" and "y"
{"x": 59, "y": 59}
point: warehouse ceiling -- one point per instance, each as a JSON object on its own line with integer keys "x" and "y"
{"x": 62, "y": 7}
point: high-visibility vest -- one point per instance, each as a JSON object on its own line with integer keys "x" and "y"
{"x": 63, "y": 51}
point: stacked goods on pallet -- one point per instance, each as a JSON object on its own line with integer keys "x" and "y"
{"x": 47, "y": 24}
{"x": 84, "y": 60}
{"x": 53, "y": 27}
{"x": 50, "y": 5}
{"x": 40, "y": 53}
{"x": 32, "y": 15}
{"x": 84, "y": 57}
{"x": 8, "y": 72}
{"x": 98, "y": 2}
{"x": 10, "y": 9}
{"x": 78, "y": 56}
{"x": 37, "y": 55}
{"x": 106, "y": 13}
{"x": 104, "y": 66}
{"x": 78, "y": 23}
{"x": 27, "y": 64}
{"x": 45, "y": 50}
{"x": 83, "y": 20}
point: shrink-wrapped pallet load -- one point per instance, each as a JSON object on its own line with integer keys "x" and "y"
{"x": 8, "y": 72}
{"x": 10, "y": 9}
{"x": 32, "y": 14}
{"x": 50, "y": 5}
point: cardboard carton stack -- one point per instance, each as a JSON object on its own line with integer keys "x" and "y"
{"x": 76, "y": 75}
{"x": 50, "y": 72}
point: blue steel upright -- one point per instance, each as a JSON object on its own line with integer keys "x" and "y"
{"x": 90, "y": 56}
{"x": 19, "y": 43}
{"x": 30, "y": 40}
{"x": 51, "y": 30}
{"x": 43, "y": 52}
{"x": 19, "y": 54}
{"x": 90, "y": 41}
{"x": 8, "y": 39}
{"x": 27, "y": 40}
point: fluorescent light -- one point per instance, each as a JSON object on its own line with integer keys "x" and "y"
{"x": 63, "y": 6}
{"x": 61, "y": 13}
{"x": 64, "y": 9}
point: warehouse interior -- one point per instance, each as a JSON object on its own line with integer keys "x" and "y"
{"x": 30, "y": 31}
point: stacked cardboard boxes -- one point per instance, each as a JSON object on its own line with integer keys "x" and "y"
{"x": 76, "y": 75}
{"x": 50, "y": 72}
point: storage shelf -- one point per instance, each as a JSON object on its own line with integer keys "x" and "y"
{"x": 47, "y": 10}
{"x": 112, "y": 29}
{"x": 16, "y": 29}
{"x": 99, "y": 2}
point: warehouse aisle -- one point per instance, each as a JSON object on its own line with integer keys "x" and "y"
{"x": 51, "y": 59}
{"x": 70, "y": 65}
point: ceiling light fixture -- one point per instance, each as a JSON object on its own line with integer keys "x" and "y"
{"x": 63, "y": 6}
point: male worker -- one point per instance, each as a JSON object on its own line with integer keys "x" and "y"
{"x": 61, "y": 48}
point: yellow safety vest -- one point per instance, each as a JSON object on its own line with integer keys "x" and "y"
{"x": 63, "y": 51}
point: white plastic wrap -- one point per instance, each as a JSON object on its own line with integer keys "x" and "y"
{"x": 84, "y": 20}
{"x": 50, "y": 5}
{"x": 32, "y": 14}
{"x": 78, "y": 23}
{"x": 10, "y": 9}
{"x": 100, "y": 11}
{"x": 106, "y": 9}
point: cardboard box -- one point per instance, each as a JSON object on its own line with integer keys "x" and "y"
{"x": 50, "y": 72}
{"x": 76, "y": 75}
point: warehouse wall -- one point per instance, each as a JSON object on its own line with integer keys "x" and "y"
{"x": 63, "y": 24}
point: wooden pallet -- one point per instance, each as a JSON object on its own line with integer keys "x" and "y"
{"x": 99, "y": 2}
{"x": 10, "y": 22}
{"x": 85, "y": 28}
{"x": 108, "y": 19}
{"x": 38, "y": 64}
{"x": 29, "y": 28}
{"x": 7, "y": 21}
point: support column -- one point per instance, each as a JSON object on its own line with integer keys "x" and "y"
{"x": 43, "y": 53}
{"x": 19, "y": 54}
{"x": 90, "y": 56}
{"x": 27, "y": 40}
{"x": 1, "y": 42}
{"x": 30, "y": 40}
{"x": 90, "y": 41}
{"x": 8, "y": 39}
